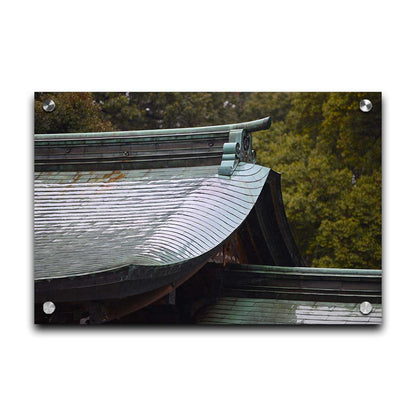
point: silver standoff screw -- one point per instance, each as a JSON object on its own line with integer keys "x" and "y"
{"x": 366, "y": 308}
{"x": 49, "y": 308}
{"x": 48, "y": 106}
{"x": 366, "y": 105}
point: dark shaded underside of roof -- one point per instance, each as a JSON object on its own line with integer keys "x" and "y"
{"x": 247, "y": 294}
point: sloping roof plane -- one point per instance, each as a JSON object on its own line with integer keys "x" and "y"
{"x": 124, "y": 213}
{"x": 100, "y": 221}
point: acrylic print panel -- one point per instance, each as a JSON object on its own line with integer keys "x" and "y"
{"x": 235, "y": 208}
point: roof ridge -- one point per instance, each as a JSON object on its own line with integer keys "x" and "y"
{"x": 224, "y": 145}
{"x": 250, "y": 126}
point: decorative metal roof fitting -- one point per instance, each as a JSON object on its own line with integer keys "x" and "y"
{"x": 238, "y": 149}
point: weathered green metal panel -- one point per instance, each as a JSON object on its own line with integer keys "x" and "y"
{"x": 89, "y": 222}
{"x": 240, "y": 311}
{"x": 149, "y": 149}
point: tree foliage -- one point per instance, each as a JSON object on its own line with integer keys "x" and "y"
{"x": 329, "y": 154}
{"x": 328, "y": 151}
{"x": 153, "y": 110}
{"x": 74, "y": 112}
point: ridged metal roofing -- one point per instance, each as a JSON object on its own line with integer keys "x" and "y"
{"x": 89, "y": 222}
{"x": 259, "y": 294}
{"x": 245, "y": 311}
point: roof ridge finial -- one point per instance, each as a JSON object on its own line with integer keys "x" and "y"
{"x": 238, "y": 149}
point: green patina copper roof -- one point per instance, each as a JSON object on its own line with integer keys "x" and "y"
{"x": 225, "y": 146}
{"x": 257, "y": 294}
{"x": 146, "y": 135}
{"x": 87, "y": 222}
{"x": 248, "y": 311}
{"x": 123, "y": 213}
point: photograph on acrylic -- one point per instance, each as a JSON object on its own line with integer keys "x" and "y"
{"x": 207, "y": 208}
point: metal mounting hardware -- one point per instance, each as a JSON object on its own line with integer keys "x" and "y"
{"x": 48, "y": 105}
{"x": 49, "y": 308}
{"x": 366, "y": 105}
{"x": 366, "y": 308}
{"x": 237, "y": 150}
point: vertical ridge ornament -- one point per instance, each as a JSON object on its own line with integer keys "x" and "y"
{"x": 238, "y": 149}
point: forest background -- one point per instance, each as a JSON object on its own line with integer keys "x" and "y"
{"x": 327, "y": 150}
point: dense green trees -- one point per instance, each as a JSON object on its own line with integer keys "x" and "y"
{"x": 74, "y": 112}
{"x": 328, "y": 151}
{"x": 150, "y": 110}
{"x": 329, "y": 154}
{"x": 108, "y": 111}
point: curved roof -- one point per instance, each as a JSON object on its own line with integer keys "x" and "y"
{"x": 126, "y": 213}
{"x": 89, "y": 222}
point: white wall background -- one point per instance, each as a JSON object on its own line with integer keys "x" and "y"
{"x": 216, "y": 45}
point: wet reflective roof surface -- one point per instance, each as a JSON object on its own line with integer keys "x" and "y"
{"x": 86, "y": 222}
{"x": 245, "y": 311}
